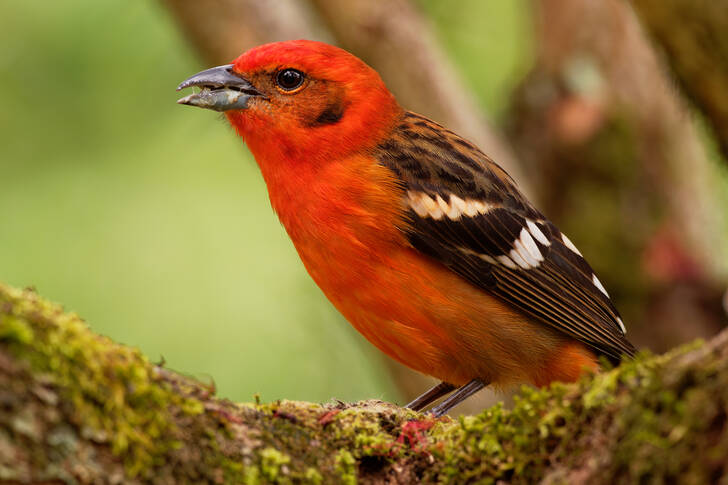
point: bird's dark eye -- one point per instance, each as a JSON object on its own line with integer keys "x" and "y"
{"x": 289, "y": 79}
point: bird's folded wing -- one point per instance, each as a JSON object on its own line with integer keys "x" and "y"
{"x": 465, "y": 211}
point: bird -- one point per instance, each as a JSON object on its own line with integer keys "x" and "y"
{"x": 418, "y": 238}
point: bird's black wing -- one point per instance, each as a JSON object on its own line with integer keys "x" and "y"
{"x": 466, "y": 212}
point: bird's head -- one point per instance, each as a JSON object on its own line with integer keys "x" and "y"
{"x": 297, "y": 99}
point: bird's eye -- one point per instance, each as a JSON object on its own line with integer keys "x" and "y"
{"x": 289, "y": 79}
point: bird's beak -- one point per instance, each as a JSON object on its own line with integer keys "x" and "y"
{"x": 222, "y": 89}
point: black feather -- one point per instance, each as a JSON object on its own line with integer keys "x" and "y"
{"x": 428, "y": 159}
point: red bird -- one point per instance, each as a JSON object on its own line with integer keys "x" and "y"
{"x": 418, "y": 238}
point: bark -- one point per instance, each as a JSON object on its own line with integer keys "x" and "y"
{"x": 693, "y": 37}
{"x": 78, "y": 408}
{"x": 622, "y": 170}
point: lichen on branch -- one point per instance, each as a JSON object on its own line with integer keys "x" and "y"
{"x": 77, "y": 408}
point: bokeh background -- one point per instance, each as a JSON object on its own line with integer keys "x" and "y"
{"x": 152, "y": 222}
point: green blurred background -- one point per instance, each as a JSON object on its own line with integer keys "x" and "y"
{"x": 151, "y": 220}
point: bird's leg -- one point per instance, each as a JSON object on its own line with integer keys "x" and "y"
{"x": 431, "y": 395}
{"x": 457, "y": 397}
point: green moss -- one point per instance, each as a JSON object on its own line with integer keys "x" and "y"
{"x": 114, "y": 391}
{"x": 15, "y": 330}
{"x": 634, "y": 411}
{"x": 160, "y": 424}
{"x": 365, "y": 430}
{"x": 251, "y": 476}
{"x": 312, "y": 476}
{"x": 346, "y": 467}
{"x": 272, "y": 463}
{"x": 601, "y": 390}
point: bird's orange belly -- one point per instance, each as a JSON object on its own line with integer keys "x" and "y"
{"x": 428, "y": 318}
{"x": 410, "y": 306}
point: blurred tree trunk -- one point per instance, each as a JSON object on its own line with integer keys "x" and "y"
{"x": 220, "y": 30}
{"x": 693, "y": 35}
{"x": 621, "y": 169}
{"x": 391, "y": 36}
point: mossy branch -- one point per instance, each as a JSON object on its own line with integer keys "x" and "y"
{"x": 77, "y": 408}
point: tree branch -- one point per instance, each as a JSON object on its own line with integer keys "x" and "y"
{"x": 78, "y": 408}
{"x": 693, "y": 36}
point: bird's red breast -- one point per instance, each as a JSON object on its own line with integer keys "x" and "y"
{"x": 420, "y": 240}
